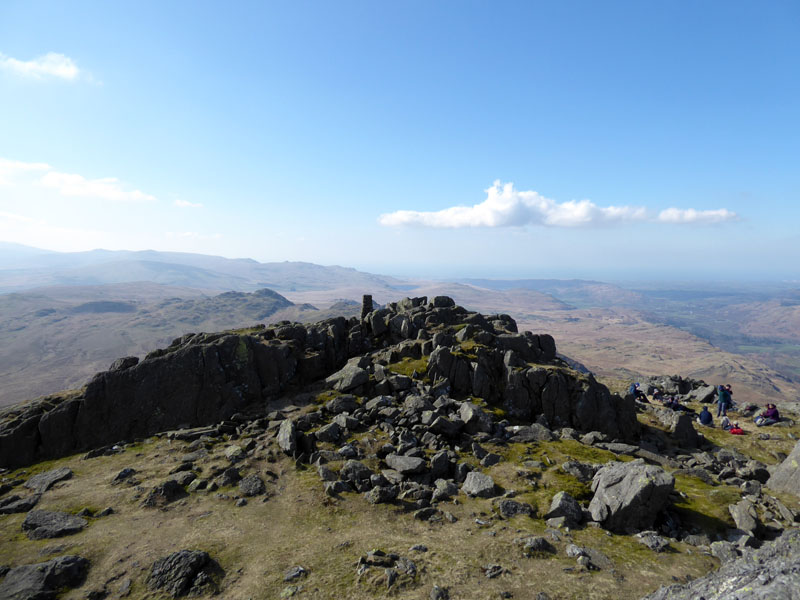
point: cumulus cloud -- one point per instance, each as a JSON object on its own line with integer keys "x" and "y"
{"x": 507, "y": 207}
{"x": 186, "y": 204}
{"x": 51, "y": 65}
{"x": 109, "y": 188}
{"x": 690, "y": 215}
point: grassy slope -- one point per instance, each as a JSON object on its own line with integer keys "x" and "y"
{"x": 299, "y": 525}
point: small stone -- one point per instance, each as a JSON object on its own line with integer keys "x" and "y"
{"x": 294, "y": 573}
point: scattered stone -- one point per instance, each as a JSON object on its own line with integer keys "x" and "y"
{"x": 164, "y": 493}
{"x": 745, "y": 516}
{"x": 724, "y": 551}
{"x": 252, "y": 485}
{"x": 183, "y": 572}
{"x": 381, "y": 494}
{"x": 444, "y": 489}
{"x": 17, "y": 504}
{"x": 652, "y": 540}
{"x": 287, "y": 437}
{"x": 241, "y": 502}
{"x": 536, "y": 546}
{"x": 123, "y": 475}
{"x": 492, "y": 571}
{"x": 479, "y": 485}
{"x": 511, "y": 508}
{"x": 44, "y": 481}
{"x": 183, "y": 478}
{"x": 43, "y": 581}
{"x": 294, "y": 573}
{"x": 42, "y": 524}
{"x": 235, "y": 453}
{"x": 419, "y": 548}
{"x": 583, "y": 472}
{"x": 438, "y": 593}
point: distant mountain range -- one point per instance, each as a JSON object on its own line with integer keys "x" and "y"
{"x": 24, "y": 268}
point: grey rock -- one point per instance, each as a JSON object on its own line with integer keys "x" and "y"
{"x": 564, "y": 505}
{"x": 42, "y": 524}
{"x": 43, "y": 581}
{"x": 44, "y": 481}
{"x": 490, "y": 459}
{"x": 406, "y": 465}
{"x": 183, "y": 478}
{"x": 287, "y": 437}
{"x": 329, "y": 433}
{"x": 123, "y": 475}
{"x": 583, "y": 472}
{"x": 652, "y": 540}
{"x": 353, "y": 470}
{"x": 745, "y": 516}
{"x": 381, "y": 494}
{"x": 438, "y": 593}
{"x": 786, "y": 477}
{"x": 164, "y": 493}
{"x": 535, "y": 432}
{"x": 475, "y": 420}
{"x": 511, "y": 508}
{"x": 534, "y": 546}
{"x": 294, "y": 573}
{"x": 724, "y": 551}
{"x": 229, "y": 476}
{"x": 444, "y": 489}
{"x": 16, "y": 504}
{"x": 769, "y": 573}
{"x": 479, "y": 485}
{"x": 252, "y": 485}
{"x": 350, "y": 377}
{"x": 342, "y": 404}
{"x": 181, "y": 572}
{"x": 629, "y": 495}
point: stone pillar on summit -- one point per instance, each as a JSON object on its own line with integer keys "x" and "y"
{"x": 366, "y": 305}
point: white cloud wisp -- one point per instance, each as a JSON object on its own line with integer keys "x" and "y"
{"x": 507, "y": 207}
{"x": 51, "y": 65}
{"x": 109, "y": 188}
{"x": 186, "y": 204}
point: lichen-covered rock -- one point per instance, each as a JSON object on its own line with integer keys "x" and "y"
{"x": 769, "y": 573}
{"x": 44, "y": 481}
{"x": 629, "y": 496}
{"x": 786, "y": 477}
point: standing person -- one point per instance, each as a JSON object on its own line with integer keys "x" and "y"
{"x": 722, "y": 400}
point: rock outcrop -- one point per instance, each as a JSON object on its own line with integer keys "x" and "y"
{"x": 202, "y": 379}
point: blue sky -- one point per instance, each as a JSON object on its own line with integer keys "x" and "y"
{"x": 642, "y": 139}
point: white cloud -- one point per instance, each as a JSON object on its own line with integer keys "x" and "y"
{"x": 9, "y": 169}
{"x": 690, "y": 215}
{"x": 109, "y": 188}
{"x": 194, "y": 235}
{"x": 507, "y": 207}
{"x": 51, "y": 64}
{"x": 187, "y": 204}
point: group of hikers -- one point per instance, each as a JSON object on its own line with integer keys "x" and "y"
{"x": 724, "y": 403}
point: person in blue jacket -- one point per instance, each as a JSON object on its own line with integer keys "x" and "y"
{"x": 723, "y": 400}
{"x": 705, "y": 417}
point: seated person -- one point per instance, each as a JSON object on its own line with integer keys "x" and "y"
{"x": 705, "y": 417}
{"x": 637, "y": 393}
{"x": 736, "y": 430}
{"x": 658, "y": 394}
{"x": 725, "y": 423}
{"x": 672, "y": 402}
{"x": 769, "y": 416}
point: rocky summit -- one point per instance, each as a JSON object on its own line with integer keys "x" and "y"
{"x": 420, "y": 451}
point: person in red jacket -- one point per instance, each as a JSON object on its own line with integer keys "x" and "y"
{"x": 736, "y": 430}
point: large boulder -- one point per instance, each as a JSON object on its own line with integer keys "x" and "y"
{"x": 479, "y": 485}
{"x": 786, "y": 477}
{"x": 629, "y": 496}
{"x": 44, "y": 581}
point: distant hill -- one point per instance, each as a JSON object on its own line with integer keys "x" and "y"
{"x": 24, "y": 268}
{"x": 56, "y": 338}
